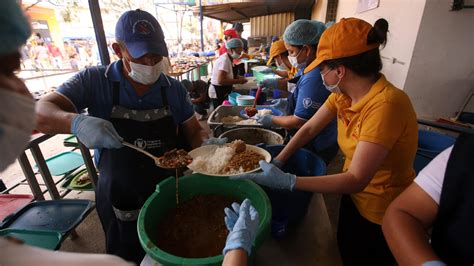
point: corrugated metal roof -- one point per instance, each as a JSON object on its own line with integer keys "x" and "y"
{"x": 272, "y": 25}
{"x": 244, "y": 11}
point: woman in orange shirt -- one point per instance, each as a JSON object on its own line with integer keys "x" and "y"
{"x": 377, "y": 132}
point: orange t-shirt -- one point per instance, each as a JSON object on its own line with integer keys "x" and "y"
{"x": 384, "y": 116}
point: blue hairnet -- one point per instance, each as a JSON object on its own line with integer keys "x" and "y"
{"x": 234, "y": 43}
{"x": 303, "y": 32}
{"x": 14, "y": 27}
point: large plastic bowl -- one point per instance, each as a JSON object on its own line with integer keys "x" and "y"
{"x": 164, "y": 199}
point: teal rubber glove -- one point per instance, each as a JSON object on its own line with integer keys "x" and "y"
{"x": 266, "y": 121}
{"x": 214, "y": 141}
{"x": 95, "y": 132}
{"x": 270, "y": 84}
{"x": 242, "y": 223}
{"x": 271, "y": 176}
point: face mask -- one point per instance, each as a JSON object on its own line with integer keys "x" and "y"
{"x": 294, "y": 61}
{"x": 235, "y": 55}
{"x": 144, "y": 74}
{"x": 282, "y": 67}
{"x": 17, "y": 121}
{"x": 332, "y": 88}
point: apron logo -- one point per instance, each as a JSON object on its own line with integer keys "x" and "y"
{"x": 308, "y": 103}
{"x": 140, "y": 143}
{"x": 148, "y": 144}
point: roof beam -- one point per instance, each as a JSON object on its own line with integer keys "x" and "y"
{"x": 239, "y": 12}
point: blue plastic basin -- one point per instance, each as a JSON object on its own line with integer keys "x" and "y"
{"x": 290, "y": 207}
{"x": 430, "y": 144}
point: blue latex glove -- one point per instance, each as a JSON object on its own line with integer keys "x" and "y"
{"x": 242, "y": 223}
{"x": 269, "y": 84}
{"x": 95, "y": 132}
{"x": 272, "y": 177}
{"x": 214, "y": 141}
{"x": 266, "y": 121}
{"x": 280, "y": 104}
{"x": 277, "y": 163}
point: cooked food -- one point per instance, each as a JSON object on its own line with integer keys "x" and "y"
{"x": 263, "y": 112}
{"x": 83, "y": 179}
{"x": 175, "y": 159}
{"x": 251, "y": 111}
{"x": 243, "y": 162}
{"x": 238, "y": 145}
{"x": 232, "y": 158}
{"x": 231, "y": 119}
{"x": 248, "y": 122}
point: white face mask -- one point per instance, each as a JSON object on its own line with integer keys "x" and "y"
{"x": 332, "y": 88}
{"x": 235, "y": 55}
{"x": 17, "y": 121}
{"x": 294, "y": 61}
{"x": 144, "y": 74}
{"x": 282, "y": 67}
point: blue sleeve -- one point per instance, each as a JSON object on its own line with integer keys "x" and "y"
{"x": 78, "y": 88}
{"x": 182, "y": 107}
{"x": 311, "y": 95}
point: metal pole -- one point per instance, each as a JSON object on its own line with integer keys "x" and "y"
{"x": 201, "y": 19}
{"x": 99, "y": 31}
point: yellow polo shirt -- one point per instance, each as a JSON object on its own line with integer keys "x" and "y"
{"x": 292, "y": 72}
{"x": 384, "y": 116}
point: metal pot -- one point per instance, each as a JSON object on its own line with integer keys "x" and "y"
{"x": 253, "y": 136}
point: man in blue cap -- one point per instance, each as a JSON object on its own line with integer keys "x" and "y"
{"x": 130, "y": 100}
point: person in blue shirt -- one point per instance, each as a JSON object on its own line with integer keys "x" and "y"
{"x": 301, "y": 40}
{"x": 130, "y": 100}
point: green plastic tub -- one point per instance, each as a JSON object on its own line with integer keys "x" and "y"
{"x": 164, "y": 199}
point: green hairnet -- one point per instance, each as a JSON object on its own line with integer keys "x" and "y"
{"x": 303, "y": 32}
{"x": 234, "y": 43}
{"x": 14, "y": 27}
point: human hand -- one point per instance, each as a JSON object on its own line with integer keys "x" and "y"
{"x": 95, "y": 132}
{"x": 214, "y": 141}
{"x": 242, "y": 80}
{"x": 271, "y": 176}
{"x": 266, "y": 121}
{"x": 242, "y": 223}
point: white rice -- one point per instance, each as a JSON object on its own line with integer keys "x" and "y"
{"x": 248, "y": 122}
{"x": 214, "y": 162}
{"x": 263, "y": 112}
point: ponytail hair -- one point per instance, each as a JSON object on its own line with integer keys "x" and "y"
{"x": 378, "y": 33}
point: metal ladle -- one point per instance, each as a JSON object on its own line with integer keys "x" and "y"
{"x": 156, "y": 159}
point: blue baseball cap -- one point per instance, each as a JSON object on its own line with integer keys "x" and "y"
{"x": 141, "y": 33}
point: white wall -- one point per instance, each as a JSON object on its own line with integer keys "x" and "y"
{"x": 442, "y": 70}
{"x": 319, "y": 10}
{"x": 404, "y": 17}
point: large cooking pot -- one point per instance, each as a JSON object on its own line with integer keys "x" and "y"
{"x": 253, "y": 136}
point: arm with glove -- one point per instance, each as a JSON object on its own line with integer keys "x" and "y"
{"x": 242, "y": 223}
{"x": 57, "y": 115}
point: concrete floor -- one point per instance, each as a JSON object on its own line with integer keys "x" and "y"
{"x": 312, "y": 242}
